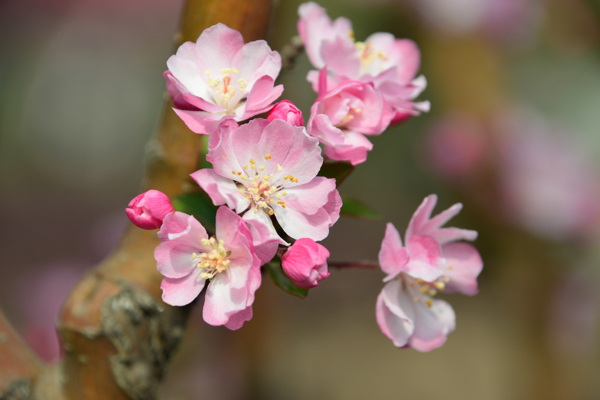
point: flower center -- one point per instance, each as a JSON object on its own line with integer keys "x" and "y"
{"x": 348, "y": 117}
{"x": 368, "y": 54}
{"x": 227, "y": 93}
{"x": 214, "y": 261}
{"x": 426, "y": 289}
{"x": 258, "y": 186}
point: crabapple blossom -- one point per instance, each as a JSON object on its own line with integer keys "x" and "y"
{"x": 432, "y": 261}
{"x": 268, "y": 168}
{"x": 388, "y": 63}
{"x": 305, "y": 263}
{"x": 219, "y": 77}
{"x": 188, "y": 258}
{"x": 341, "y": 117}
{"x": 287, "y": 111}
{"x": 147, "y": 210}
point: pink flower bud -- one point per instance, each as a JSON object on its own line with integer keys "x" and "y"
{"x": 305, "y": 262}
{"x": 148, "y": 210}
{"x": 287, "y": 111}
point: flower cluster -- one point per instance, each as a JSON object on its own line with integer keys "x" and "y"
{"x": 274, "y": 201}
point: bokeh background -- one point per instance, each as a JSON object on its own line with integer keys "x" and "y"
{"x": 513, "y": 134}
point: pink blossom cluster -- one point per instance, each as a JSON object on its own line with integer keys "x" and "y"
{"x": 362, "y": 87}
{"x": 272, "y": 204}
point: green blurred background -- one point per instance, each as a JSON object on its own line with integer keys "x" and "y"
{"x": 512, "y": 134}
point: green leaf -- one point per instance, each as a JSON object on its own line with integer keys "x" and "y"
{"x": 200, "y": 206}
{"x": 282, "y": 280}
{"x": 357, "y": 209}
{"x": 339, "y": 170}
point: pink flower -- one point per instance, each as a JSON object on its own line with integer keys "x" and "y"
{"x": 187, "y": 258}
{"x": 305, "y": 263}
{"x": 269, "y": 168}
{"x": 287, "y": 111}
{"x": 220, "y": 77}
{"x": 147, "y": 210}
{"x": 388, "y": 63}
{"x": 341, "y": 117}
{"x": 406, "y": 311}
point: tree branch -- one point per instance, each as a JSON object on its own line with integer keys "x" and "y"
{"x": 117, "y": 333}
{"x": 18, "y": 364}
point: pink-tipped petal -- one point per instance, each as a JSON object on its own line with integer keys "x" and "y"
{"x": 425, "y": 258}
{"x": 220, "y": 190}
{"x": 392, "y": 256}
{"x": 432, "y": 325}
{"x": 182, "y": 291}
{"x": 421, "y": 216}
{"x": 395, "y": 313}
{"x": 464, "y": 266}
{"x": 236, "y": 320}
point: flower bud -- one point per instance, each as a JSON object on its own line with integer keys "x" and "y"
{"x": 147, "y": 210}
{"x": 305, "y": 263}
{"x": 287, "y": 111}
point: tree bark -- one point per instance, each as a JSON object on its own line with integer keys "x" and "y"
{"x": 116, "y": 332}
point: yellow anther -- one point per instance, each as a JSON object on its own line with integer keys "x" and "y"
{"x": 245, "y": 167}
{"x": 357, "y": 110}
{"x": 235, "y": 70}
{"x": 261, "y": 168}
{"x": 280, "y": 168}
{"x": 440, "y": 285}
{"x": 351, "y": 34}
{"x": 429, "y": 303}
{"x": 207, "y": 72}
{"x": 233, "y": 172}
{"x": 271, "y": 212}
{"x": 415, "y": 298}
{"x": 225, "y": 71}
{"x": 271, "y": 200}
{"x": 255, "y": 211}
{"x": 268, "y": 157}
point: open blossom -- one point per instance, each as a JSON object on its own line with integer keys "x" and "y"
{"x": 188, "y": 258}
{"x": 269, "y": 168}
{"x": 305, "y": 263}
{"x": 287, "y": 111}
{"x": 406, "y": 311}
{"x": 147, "y": 210}
{"x": 390, "y": 64}
{"x": 341, "y": 117}
{"x": 220, "y": 77}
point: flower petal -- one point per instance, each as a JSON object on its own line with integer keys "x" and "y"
{"x": 464, "y": 265}
{"x": 392, "y": 256}
{"x": 432, "y": 325}
{"x": 425, "y": 258}
{"x": 395, "y": 313}
{"x": 220, "y": 190}
{"x": 182, "y": 291}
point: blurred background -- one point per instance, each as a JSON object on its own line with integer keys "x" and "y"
{"x": 512, "y": 134}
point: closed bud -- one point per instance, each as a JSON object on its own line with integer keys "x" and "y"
{"x": 305, "y": 263}
{"x": 287, "y": 111}
{"x": 148, "y": 210}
